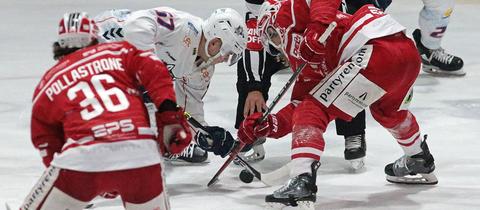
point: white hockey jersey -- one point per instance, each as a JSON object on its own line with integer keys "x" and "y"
{"x": 174, "y": 36}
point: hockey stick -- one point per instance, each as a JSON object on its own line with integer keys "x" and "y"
{"x": 240, "y": 146}
{"x": 270, "y": 179}
{"x": 194, "y": 122}
{"x": 275, "y": 101}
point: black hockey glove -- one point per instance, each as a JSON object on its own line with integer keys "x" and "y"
{"x": 216, "y": 140}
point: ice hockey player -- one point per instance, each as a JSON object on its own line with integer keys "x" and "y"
{"x": 258, "y": 65}
{"x": 188, "y": 46}
{"x": 433, "y": 21}
{"x": 357, "y": 76}
{"x": 91, "y": 126}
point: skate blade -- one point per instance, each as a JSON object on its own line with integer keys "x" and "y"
{"x": 180, "y": 162}
{"x": 443, "y": 73}
{"x": 251, "y": 158}
{"x": 357, "y": 164}
{"x": 420, "y": 179}
{"x": 301, "y": 205}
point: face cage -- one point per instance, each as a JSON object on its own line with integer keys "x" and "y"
{"x": 231, "y": 58}
{"x": 267, "y": 42}
{"x": 227, "y": 54}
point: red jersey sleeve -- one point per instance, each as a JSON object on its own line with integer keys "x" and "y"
{"x": 46, "y": 132}
{"x": 323, "y": 11}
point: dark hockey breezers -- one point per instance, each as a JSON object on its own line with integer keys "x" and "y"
{"x": 416, "y": 169}
{"x": 438, "y": 61}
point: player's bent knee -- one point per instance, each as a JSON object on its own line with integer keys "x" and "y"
{"x": 158, "y": 203}
{"x": 60, "y": 200}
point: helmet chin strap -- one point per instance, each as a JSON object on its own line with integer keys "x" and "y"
{"x": 210, "y": 60}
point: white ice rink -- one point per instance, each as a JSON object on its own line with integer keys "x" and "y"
{"x": 448, "y": 109}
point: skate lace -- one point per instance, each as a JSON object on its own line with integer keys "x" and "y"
{"x": 402, "y": 163}
{"x": 187, "y": 152}
{"x": 353, "y": 142}
{"x": 442, "y": 56}
{"x": 289, "y": 185}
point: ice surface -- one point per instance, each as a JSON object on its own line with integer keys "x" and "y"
{"x": 448, "y": 109}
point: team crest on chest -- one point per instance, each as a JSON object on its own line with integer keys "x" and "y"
{"x": 187, "y": 41}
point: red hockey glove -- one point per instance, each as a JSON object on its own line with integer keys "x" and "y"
{"x": 311, "y": 50}
{"x": 250, "y": 130}
{"x": 173, "y": 131}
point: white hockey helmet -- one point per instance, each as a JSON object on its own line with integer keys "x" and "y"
{"x": 229, "y": 26}
{"x": 265, "y": 23}
{"x": 76, "y": 30}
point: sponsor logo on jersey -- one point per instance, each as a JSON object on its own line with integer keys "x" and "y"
{"x": 330, "y": 90}
{"x": 295, "y": 45}
{"x": 113, "y": 34}
{"x": 193, "y": 28}
{"x": 341, "y": 78}
{"x": 362, "y": 57}
{"x": 358, "y": 95}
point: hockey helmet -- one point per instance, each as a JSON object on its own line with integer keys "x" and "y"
{"x": 229, "y": 26}
{"x": 265, "y": 24}
{"x": 76, "y": 30}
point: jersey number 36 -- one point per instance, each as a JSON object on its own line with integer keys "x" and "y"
{"x": 91, "y": 103}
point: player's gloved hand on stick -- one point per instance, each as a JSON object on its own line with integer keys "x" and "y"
{"x": 311, "y": 50}
{"x": 250, "y": 129}
{"x": 173, "y": 130}
{"x": 216, "y": 140}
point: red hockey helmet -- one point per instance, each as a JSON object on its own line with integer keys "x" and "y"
{"x": 76, "y": 30}
{"x": 265, "y": 24}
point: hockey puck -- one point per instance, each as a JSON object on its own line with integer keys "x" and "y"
{"x": 246, "y": 176}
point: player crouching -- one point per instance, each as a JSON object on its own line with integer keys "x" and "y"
{"x": 352, "y": 56}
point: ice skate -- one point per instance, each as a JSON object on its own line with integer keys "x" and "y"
{"x": 256, "y": 153}
{"x": 417, "y": 169}
{"x": 355, "y": 148}
{"x": 438, "y": 61}
{"x": 192, "y": 154}
{"x": 299, "y": 192}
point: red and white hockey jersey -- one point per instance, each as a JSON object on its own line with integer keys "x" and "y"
{"x": 351, "y": 33}
{"x": 87, "y": 109}
{"x": 174, "y": 36}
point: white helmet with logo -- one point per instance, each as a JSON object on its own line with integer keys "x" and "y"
{"x": 76, "y": 30}
{"x": 229, "y": 26}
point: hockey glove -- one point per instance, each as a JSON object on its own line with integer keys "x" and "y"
{"x": 311, "y": 50}
{"x": 250, "y": 130}
{"x": 173, "y": 131}
{"x": 216, "y": 140}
